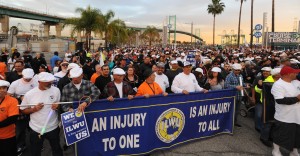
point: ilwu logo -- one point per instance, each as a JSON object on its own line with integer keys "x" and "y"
{"x": 169, "y": 125}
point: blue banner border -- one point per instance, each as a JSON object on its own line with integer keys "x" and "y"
{"x": 168, "y": 104}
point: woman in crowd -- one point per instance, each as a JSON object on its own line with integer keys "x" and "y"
{"x": 201, "y": 79}
{"x": 132, "y": 78}
{"x": 215, "y": 80}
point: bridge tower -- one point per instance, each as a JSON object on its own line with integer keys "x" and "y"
{"x": 4, "y": 21}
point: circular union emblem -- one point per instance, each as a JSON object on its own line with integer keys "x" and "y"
{"x": 169, "y": 125}
{"x": 78, "y": 114}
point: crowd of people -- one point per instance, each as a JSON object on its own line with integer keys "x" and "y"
{"x": 38, "y": 87}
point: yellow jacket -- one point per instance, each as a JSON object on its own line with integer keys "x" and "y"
{"x": 258, "y": 90}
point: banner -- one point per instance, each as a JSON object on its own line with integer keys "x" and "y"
{"x": 191, "y": 57}
{"x": 283, "y": 37}
{"x": 74, "y": 126}
{"x": 140, "y": 126}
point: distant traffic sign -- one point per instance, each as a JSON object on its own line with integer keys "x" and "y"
{"x": 257, "y": 34}
{"x": 258, "y": 27}
{"x": 169, "y": 26}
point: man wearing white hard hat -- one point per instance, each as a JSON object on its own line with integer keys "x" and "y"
{"x": 63, "y": 71}
{"x": 8, "y": 117}
{"x": 118, "y": 88}
{"x": 161, "y": 78}
{"x": 18, "y": 89}
{"x": 181, "y": 58}
{"x": 233, "y": 81}
{"x": 186, "y": 82}
{"x": 175, "y": 70}
{"x": 265, "y": 132}
{"x": 77, "y": 89}
{"x": 33, "y": 104}
{"x": 66, "y": 80}
{"x": 265, "y": 72}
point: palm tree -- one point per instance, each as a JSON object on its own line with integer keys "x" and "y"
{"x": 131, "y": 33}
{"x": 251, "y": 31}
{"x": 116, "y": 32}
{"x": 216, "y": 8}
{"x": 239, "y": 28}
{"x": 273, "y": 22}
{"x": 150, "y": 34}
{"x": 105, "y": 20}
{"x": 88, "y": 22}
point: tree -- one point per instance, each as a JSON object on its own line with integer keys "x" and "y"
{"x": 116, "y": 32}
{"x": 150, "y": 34}
{"x": 216, "y": 8}
{"x": 251, "y": 27}
{"x": 131, "y": 33}
{"x": 273, "y": 22}
{"x": 239, "y": 27}
{"x": 88, "y": 21}
{"x": 105, "y": 21}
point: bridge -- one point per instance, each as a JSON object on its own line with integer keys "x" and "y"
{"x": 170, "y": 31}
{"x": 8, "y": 11}
{"x": 49, "y": 20}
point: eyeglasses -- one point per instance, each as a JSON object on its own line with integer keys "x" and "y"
{"x": 65, "y": 65}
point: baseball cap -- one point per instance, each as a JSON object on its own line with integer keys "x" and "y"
{"x": 216, "y": 69}
{"x": 186, "y": 63}
{"x": 4, "y": 83}
{"x": 72, "y": 65}
{"x": 199, "y": 70}
{"x": 118, "y": 71}
{"x": 266, "y": 69}
{"x": 46, "y": 77}
{"x": 288, "y": 70}
{"x": 28, "y": 73}
{"x": 75, "y": 72}
{"x": 237, "y": 66}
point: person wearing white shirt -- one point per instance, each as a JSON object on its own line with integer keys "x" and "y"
{"x": 68, "y": 56}
{"x": 21, "y": 86}
{"x": 181, "y": 58}
{"x": 62, "y": 73}
{"x": 186, "y": 82}
{"x": 35, "y": 99}
{"x": 286, "y": 131}
{"x": 18, "y": 89}
{"x": 161, "y": 78}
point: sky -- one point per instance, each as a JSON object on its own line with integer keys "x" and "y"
{"x": 142, "y": 13}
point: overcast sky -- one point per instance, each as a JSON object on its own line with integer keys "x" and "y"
{"x": 155, "y": 12}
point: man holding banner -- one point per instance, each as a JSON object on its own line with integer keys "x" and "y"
{"x": 118, "y": 88}
{"x": 39, "y": 113}
{"x": 78, "y": 89}
{"x": 186, "y": 82}
{"x": 233, "y": 81}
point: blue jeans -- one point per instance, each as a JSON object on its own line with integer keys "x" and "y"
{"x": 258, "y": 116}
